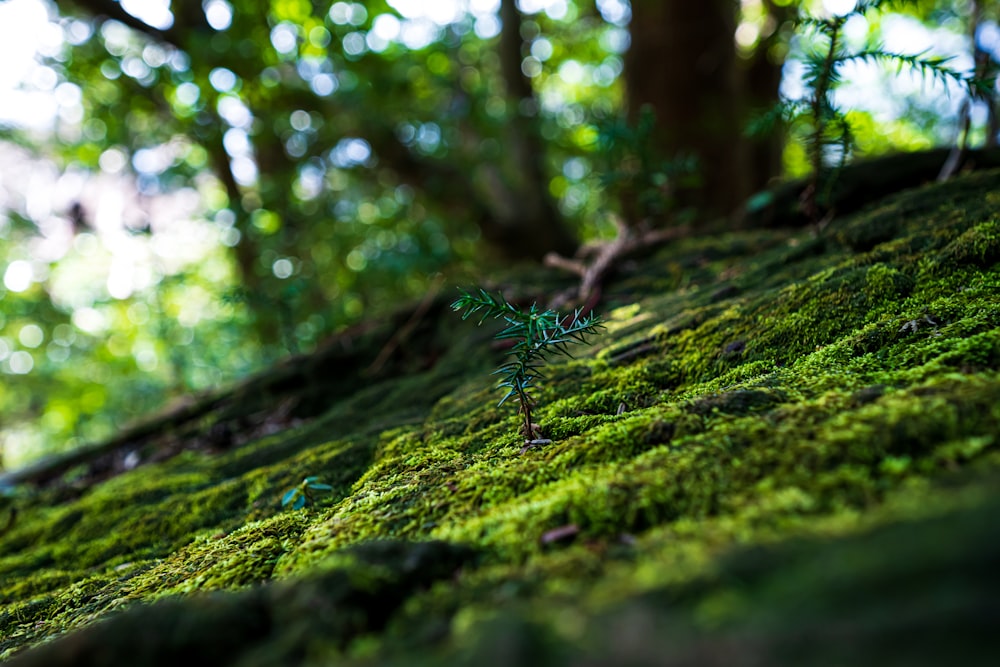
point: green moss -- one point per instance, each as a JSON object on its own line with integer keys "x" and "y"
{"x": 886, "y": 284}
{"x": 904, "y": 593}
{"x": 752, "y": 389}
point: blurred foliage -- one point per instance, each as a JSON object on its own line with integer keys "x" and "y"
{"x": 633, "y": 173}
{"x": 822, "y": 127}
{"x": 338, "y": 154}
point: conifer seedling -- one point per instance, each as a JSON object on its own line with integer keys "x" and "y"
{"x": 537, "y": 335}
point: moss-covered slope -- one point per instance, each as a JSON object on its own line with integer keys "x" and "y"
{"x": 783, "y": 450}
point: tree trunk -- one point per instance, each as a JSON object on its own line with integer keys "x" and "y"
{"x": 682, "y": 62}
{"x": 524, "y": 221}
{"x": 760, "y": 76}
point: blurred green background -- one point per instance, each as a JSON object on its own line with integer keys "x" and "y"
{"x": 189, "y": 191}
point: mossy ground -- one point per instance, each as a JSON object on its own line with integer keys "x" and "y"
{"x": 771, "y": 424}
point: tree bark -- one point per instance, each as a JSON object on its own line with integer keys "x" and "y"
{"x": 760, "y": 76}
{"x": 525, "y": 221}
{"x": 682, "y": 62}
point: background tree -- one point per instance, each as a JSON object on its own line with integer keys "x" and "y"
{"x": 685, "y": 64}
{"x": 345, "y": 152}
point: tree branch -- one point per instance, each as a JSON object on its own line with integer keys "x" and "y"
{"x": 192, "y": 19}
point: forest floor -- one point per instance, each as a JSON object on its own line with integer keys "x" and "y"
{"x": 783, "y": 449}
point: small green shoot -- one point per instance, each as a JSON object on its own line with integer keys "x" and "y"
{"x": 301, "y": 495}
{"x": 537, "y": 334}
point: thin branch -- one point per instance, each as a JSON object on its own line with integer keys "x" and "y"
{"x": 404, "y": 332}
{"x": 177, "y": 35}
{"x": 606, "y": 258}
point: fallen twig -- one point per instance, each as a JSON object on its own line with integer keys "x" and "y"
{"x": 606, "y": 257}
{"x": 404, "y": 331}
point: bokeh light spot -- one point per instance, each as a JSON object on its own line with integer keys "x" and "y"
{"x": 21, "y": 363}
{"x": 31, "y": 335}
{"x": 18, "y": 275}
{"x": 283, "y": 268}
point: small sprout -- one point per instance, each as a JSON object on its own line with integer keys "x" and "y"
{"x": 536, "y": 334}
{"x": 301, "y": 495}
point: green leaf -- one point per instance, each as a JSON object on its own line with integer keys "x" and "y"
{"x": 290, "y": 496}
{"x": 320, "y": 487}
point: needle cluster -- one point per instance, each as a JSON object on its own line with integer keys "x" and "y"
{"x": 537, "y": 335}
{"x": 828, "y": 138}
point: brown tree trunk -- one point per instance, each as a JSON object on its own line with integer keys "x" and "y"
{"x": 761, "y": 81}
{"x": 524, "y": 221}
{"x": 682, "y": 62}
